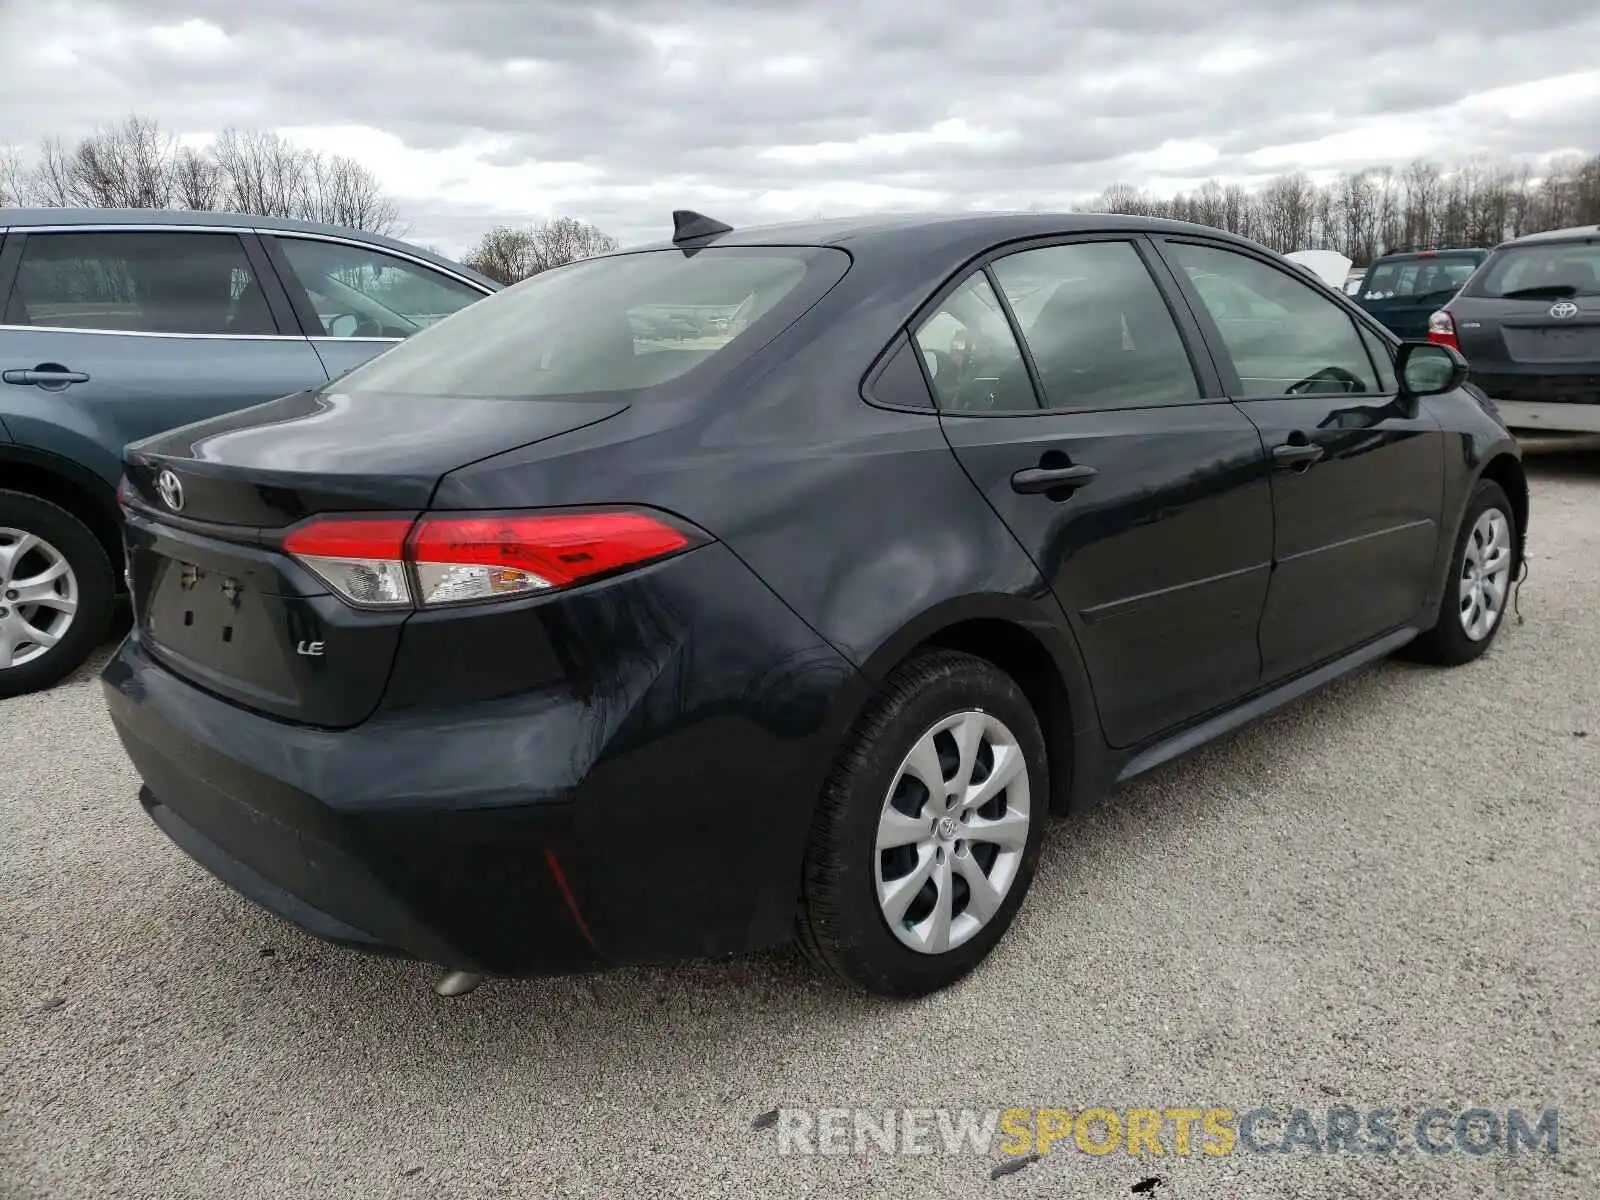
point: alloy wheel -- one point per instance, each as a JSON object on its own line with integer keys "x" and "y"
{"x": 1485, "y": 574}
{"x": 38, "y": 597}
{"x": 952, "y": 832}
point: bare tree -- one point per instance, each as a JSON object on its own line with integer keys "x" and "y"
{"x": 1288, "y": 207}
{"x": 127, "y": 165}
{"x": 263, "y": 173}
{"x": 509, "y": 254}
{"x": 340, "y": 191}
{"x": 1477, "y": 203}
{"x": 15, "y": 187}
{"x": 196, "y": 180}
{"x": 134, "y": 164}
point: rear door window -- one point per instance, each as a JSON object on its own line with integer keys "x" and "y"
{"x": 1100, "y": 334}
{"x": 618, "y": 323}
{"x": 972, "y": 356}
{"x": 357, "y": 291}
{"x": 139, "y": 282}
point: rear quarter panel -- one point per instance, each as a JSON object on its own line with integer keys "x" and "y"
{"x": 859, "y": 518}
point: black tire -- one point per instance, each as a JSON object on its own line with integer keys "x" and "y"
{"x": 841, "y": 925}
{"x": 96, "y": 591}
{"x": 1447, "y": 644}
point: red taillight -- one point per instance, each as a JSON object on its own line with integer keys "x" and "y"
{"x": 1442, "y": 330}
{"x": 361, "y": 558}
{"x": 476, "y": 557}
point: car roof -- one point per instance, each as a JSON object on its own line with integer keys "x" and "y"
{"x": 22, "y": 219}
{"x": 1430, "y": 252}
{"x": 934, "y": 232}
{"x": 1575, "y": 233}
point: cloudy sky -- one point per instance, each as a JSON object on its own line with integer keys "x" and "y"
{"x": 477, "y": 111}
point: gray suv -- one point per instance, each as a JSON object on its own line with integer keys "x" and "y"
{"x": 115, "y": 325}
{"x": 1529, "y": 323}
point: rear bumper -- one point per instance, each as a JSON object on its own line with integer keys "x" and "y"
{"x": 551, "y": 831}
{"x": 1555, "y": 418}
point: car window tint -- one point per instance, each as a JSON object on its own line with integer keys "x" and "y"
{"x": 971, "y": 354}
{"x": 1418, "y": 278}
{"x": 139, "y": 282}
{"x": 1099, "y": 331}
{"x": 1548, "y": 271}
{"x": 1383, "y": 357}
{"x": 359, "y": 292}
{"x": 618, "y": 323}
{"x": 900, "y": 380}
{"x": 1284, "y": 335}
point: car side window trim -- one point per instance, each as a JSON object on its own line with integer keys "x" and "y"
{"x": 140, "y": 333}
{"x": 283, "y": 314}
{"x": 10, "y": 256}
{"x": 1227, "y": 369}
{"x": 1388, "y": 378}
{"x": 305, "y": 312}
{"x": 15, "y": 242}
{"x": 1010, "y": 314}
{"x": 375, "y": 248}
{"x": 1211, "y": 383}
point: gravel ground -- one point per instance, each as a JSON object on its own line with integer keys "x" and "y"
{"x": 1387, "y": 896}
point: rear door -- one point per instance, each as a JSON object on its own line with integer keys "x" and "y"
{"x": 1358, "y": 478}
{"x": 355, "y": 301}
{"x": 1107, "y": 447}
{"x": 113, "y": 333}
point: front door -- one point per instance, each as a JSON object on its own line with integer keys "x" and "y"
{"x": 1142, "y": 499}
{"x": 1358, "y": 479}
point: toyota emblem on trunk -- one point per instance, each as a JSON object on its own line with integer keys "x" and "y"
{"x": 1563, "y": 309}
{"x": 171, "y": 489}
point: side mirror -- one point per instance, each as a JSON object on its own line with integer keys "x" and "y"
{"x": 344, "y": 325}
{"x": 1429, "y": 369}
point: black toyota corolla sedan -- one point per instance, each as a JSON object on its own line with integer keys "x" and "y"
{"x": 780, "y": 583}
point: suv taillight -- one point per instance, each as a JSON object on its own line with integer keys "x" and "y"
{"x": 1442, "y": 330}
{"x": 438, "y": 559}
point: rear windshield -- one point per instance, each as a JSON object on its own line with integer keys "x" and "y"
{"x": 1553, "y": 270}
{"x": 1414, "y": 278}
{"x": 612, "y": 324}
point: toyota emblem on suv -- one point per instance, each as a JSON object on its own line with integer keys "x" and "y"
{"x": 1563, "y": 309}
{"x": 171, "y": 489}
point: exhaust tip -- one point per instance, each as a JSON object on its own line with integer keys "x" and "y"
{"x": 457, "y": 983}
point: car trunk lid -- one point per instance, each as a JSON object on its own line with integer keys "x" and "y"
{"x": 217, "y": 598}
{"x": 1529, "y": 333}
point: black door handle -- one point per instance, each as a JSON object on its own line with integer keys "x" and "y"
{"x": 1294, "y": 454}
{"x": 45, "y": 375}
{"x": 1049, "y": 479}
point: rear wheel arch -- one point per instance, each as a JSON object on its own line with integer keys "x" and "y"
{"x": 69, "y": 487}
{"x": 1506, "y": 470}
{"x": 1016, "y": 637}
